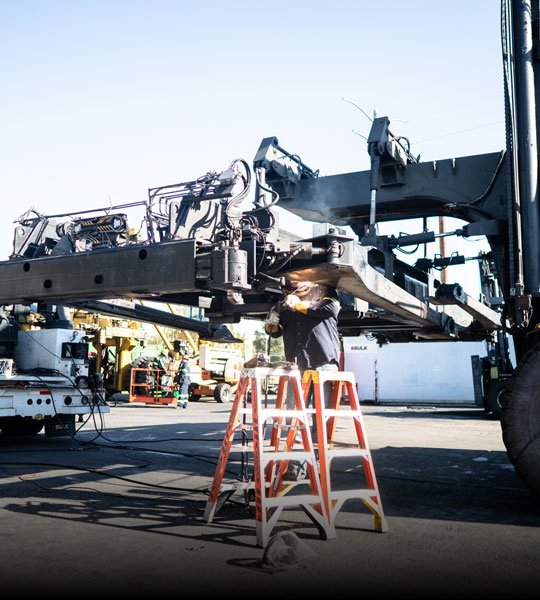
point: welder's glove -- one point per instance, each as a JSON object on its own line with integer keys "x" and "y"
{"x": 291, "y": 301}
{"x": 271, "y": 323}
{"x": 294, "y": 303}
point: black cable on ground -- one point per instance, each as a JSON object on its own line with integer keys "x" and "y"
{"x": 42, "y": 465}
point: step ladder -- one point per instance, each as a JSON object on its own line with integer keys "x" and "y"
{"x": 270, "y": 455}
{"x": 326, "y": 427}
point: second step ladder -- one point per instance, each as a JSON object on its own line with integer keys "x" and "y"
{"x": 329, "y": 451}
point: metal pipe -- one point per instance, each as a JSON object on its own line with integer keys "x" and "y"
{"x": 442, "y": 246}
{"x": 527, "y": 144}
{"x": 373, "y": 208}
{"x": 374, "y": 186}
{"x": 146, "y": 314}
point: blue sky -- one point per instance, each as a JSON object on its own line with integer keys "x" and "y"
{"x": 102, "y": 100}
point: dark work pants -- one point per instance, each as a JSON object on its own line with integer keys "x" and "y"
{"x": 310, "y": 402}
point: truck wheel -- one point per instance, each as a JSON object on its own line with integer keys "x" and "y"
{"x": 520, "y": 419}
{"x": 494, "y": 396}
{"x": 19, "y": 426}
{"x": 193, "y": 397}
{"x": 223, "y": 392}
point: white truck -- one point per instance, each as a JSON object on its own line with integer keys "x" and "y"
{"x": 46, "y": 383}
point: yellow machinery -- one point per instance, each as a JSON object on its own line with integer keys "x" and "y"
{"x": 186, "y": 335}
{"x": 104, "y": 333}
{"x": 109, "y": 332}
{"x": 215, "y": 368}
{"x": 217, "y": 372}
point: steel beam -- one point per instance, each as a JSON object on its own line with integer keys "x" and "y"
{"x": 155, "y": 316}
{"x": 354, "y": 275}
{"x": 453, "y": 294}
{"x": 466, "y": 187}
{"x": 128, "y": 272}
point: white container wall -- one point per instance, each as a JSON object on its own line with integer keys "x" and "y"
{"x": 436, "y": 373}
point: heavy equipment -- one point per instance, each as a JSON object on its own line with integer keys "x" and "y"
{"x": 214, "y": 366}
{"x": 113, "y": 340}
{"x": 216, "y": 372}
{"x": 44, "y": 376}
{"x": 204, "y": 247}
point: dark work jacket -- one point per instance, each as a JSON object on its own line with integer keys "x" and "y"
{"x": 183, "y": 376}
{"x": 311, "y": 340}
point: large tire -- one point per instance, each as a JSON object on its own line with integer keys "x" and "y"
{"x": 223, "y": 392}
{"x": 520, "y": 419}
{"x": 191, "y": 392}
{"x": 14, "y": 426}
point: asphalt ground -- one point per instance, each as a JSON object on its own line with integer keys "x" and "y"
{"x": 120, "y": 510}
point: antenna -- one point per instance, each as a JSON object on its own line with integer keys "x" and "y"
{"x": 359, "y": 108}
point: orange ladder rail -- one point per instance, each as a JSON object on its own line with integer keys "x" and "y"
{"x": 266, "y": 456}
{"x": 326, "y": 426}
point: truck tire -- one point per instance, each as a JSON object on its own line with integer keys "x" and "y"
{"x": 192, "y": 396}
{"x": 520, "y": 419}
{"x": 13, "y": 426}
{"x": 223, "y": 392}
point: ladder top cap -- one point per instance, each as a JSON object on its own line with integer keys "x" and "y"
{"x": 323, "y": 375}
{"x": 257, "y": 371}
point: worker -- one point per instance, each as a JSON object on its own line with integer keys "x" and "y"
{"x": 159, "y": 365}
{"x": 162, "y": 361}
{"x": 183, "y": 379}
{"x": 307, "y": 319}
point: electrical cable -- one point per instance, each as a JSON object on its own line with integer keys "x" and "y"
{"x": 286, "y": 260}
{"x": 99, "y": 432}
{"x": 400, "y": 249}
{"x": 493, "y": 178}
{"x": 40, "y": 373}
{"x": 37, "y": 372}
{"x": 45, "y": 465}
{"x": 274, "y": 194}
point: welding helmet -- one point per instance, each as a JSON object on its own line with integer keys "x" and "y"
{"x": 298, "y": 288}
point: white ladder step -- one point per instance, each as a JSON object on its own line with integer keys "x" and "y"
{"x": 343, "y": 452}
